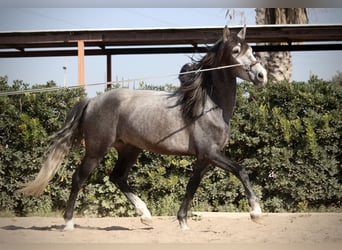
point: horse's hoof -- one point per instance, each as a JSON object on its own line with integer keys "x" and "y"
{"x": 183, "y": 225}
{"x": 146, "y": 220}
{"x": 257, "y": 217}
{"x": 69, "y": 225}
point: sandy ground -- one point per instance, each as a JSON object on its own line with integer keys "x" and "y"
{"x": 315, "y": 230}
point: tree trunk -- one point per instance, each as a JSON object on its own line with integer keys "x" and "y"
{"x": 279, "y": 64}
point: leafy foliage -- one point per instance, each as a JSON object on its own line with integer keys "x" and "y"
{"x": 288, "y": 136}
{"x": 26, "y": 121}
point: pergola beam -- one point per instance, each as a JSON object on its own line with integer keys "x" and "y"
{"x": 161, "y": 50}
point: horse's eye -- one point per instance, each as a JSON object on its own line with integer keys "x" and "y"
{"x": 236, "y": 50}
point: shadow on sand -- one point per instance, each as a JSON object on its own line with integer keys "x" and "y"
{"x": 61, "y": 227}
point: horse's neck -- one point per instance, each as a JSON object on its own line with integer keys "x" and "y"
{"x": 224, "y": 95}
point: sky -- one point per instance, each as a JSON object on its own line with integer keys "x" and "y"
{"x": 324, "y": 64}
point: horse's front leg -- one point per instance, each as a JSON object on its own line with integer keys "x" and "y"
{"x": 223, "y": 162}
{"x": 200, "y": 169}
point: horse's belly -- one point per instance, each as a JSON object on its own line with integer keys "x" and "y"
{"x": 159, "y": 139}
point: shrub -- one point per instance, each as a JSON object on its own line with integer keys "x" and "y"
{"x": 26, "y": 121}
{"x": 286, "y": 135}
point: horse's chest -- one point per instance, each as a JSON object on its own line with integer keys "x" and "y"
{"x": 215, "y": 131}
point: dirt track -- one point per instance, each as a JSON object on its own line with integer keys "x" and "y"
{"x": 289, "y": 229}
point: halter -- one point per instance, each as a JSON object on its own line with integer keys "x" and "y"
{"x": 248, "y": 67}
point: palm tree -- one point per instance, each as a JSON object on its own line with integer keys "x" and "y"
{"x": 279, "y": 64}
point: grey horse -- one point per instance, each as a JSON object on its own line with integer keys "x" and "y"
{"x": 193, "y": 120}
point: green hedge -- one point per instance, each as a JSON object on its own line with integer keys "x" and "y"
{"x": 289, "y": 137}
{"x": 286, "y": 135}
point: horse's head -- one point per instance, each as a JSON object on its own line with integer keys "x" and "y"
{"x": 235, "y": 50}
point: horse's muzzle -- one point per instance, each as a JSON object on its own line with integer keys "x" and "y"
{"x": 258, "y": 74}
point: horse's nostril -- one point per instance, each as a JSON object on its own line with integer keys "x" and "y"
{"x": 260, "y": 76}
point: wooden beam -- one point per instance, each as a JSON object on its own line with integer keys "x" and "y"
{"x": 164, "y": 50}
{"x": 166, "y": 36}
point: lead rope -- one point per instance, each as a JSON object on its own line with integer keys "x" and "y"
{"x": 41, "y": 90}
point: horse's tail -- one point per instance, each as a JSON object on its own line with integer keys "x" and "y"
{"x": 65, "y": 138}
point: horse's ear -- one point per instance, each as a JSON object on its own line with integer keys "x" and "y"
{"x": 226, "y": 33}
{"x": 242, "y": 33}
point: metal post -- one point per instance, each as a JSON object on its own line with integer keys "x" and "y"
{"x": 80, "y": 45}
{"x": 109, "y": 71}
{"x": 65, "y": 75}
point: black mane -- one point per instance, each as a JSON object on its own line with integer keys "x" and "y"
{"x": 192, "y": 94}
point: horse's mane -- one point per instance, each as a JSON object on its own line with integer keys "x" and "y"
{"x": 192, "y": 94}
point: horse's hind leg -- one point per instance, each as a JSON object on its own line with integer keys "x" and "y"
{"x": 78, "y": 179}
{"x": 127, "y": 157}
